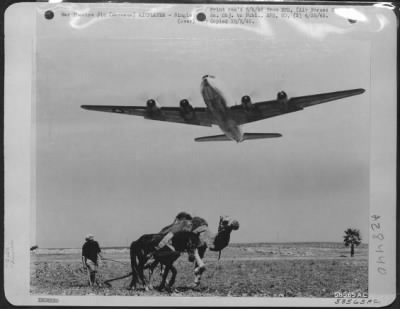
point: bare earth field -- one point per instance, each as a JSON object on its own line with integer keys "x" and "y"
{"x": 266, "y": 270}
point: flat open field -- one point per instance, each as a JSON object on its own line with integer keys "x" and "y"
{"x": 266, "y": 270}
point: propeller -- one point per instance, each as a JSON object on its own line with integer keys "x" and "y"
{"x": 172, "y": 98}
{"x": 143, "y": 98}
{"x": 253, "y": 92}
{"x": 189, "y": 95}
{"x": 260, "y": 91}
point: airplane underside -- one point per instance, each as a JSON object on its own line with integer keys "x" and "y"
{"x": 229, "y": 118}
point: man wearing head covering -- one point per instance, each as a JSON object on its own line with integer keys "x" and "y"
{"x": 182, "y": 222}
{"x": 90, "y": 253}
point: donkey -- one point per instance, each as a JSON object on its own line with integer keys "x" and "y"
{"x": 140, "y": 249}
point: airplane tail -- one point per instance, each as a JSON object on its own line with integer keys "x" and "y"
{"x": 260, "y": 135}
{"x": 246, "y": 136}
{"x": 213, "y": 138}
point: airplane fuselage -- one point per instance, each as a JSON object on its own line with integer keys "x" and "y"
{"x": 217, "y": 105}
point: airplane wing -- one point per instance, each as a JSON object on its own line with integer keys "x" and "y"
{"x": 256, "y": 111}
{"x": 196, "y": 116}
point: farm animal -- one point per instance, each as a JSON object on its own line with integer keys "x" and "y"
{"x": 183, "y": 241}
{"x": 214, "y": 241}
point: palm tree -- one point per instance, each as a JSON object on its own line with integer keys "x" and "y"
{"x": 352, "y": 238}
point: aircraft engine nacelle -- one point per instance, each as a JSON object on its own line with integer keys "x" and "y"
{"x": 152, "y": 106}
{"x": 283, "y": 100}
{"x": 246, "y": 103}
{"x": 186, "y": 109}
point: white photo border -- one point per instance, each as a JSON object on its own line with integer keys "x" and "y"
{"x": 19, "y": 168}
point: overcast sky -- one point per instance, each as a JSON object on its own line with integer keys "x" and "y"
{"x": 120, "y": 176}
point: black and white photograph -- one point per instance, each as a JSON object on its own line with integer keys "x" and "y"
{"x": 225, "y": 154}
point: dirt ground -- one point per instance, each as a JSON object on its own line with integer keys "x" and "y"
{"x": 264, "y": 270}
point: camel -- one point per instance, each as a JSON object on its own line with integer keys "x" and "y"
{"x": 182, "y": 242}
{"x": 213, "y": 241}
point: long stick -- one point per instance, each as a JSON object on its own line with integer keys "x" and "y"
{"x": 115, "y": 261}
{"x": 122, "y": 277}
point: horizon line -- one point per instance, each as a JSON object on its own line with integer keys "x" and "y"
{"x": 234, "y": 243}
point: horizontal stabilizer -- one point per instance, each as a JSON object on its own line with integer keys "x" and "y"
{"x": 260, "y": 135}
{"x": 223, "y": 137}
{"x": 213, "y": 138}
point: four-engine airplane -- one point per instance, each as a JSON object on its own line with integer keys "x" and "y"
{"x": 218, "y": 112}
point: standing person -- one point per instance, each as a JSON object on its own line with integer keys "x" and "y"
{"x": 90, "y": 253}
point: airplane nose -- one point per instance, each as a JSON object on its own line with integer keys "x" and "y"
{"x": 205, "y": 81}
